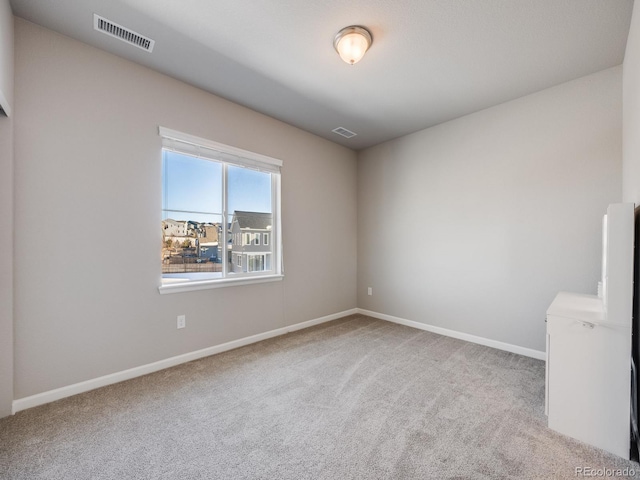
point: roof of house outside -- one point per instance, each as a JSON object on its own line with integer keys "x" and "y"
{"x": 253, "y": 220}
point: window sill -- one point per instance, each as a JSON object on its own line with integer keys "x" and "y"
{"x": 216, "y": 283}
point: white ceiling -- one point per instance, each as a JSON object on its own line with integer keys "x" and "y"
{"x": 431, "y": 60}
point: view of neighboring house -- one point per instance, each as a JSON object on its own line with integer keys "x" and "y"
{"x": 174, "y": 228}
{"x": 186, "y": 238}
{"x": 251, "y": 241}
{"x": 208, "y": 241}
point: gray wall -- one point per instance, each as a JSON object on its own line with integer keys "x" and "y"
{"x": 6, "y": 212}
{"x": 474, "y": 225}
{"x": 631, "y": 113}
{"x": 88, "y": 159}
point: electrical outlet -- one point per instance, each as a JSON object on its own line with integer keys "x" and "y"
{"x": 370, "y": 291}
{"x": 182, "y": 321}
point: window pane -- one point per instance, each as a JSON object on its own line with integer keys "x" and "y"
{"x": 191, "y": 218}
{"x": 250, "y": 208}
{"x": 191, "y": 184}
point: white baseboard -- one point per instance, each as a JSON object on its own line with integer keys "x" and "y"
{"x": 527, "y": 352}
{"x": 63, "y": 392}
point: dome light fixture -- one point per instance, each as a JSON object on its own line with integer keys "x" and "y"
{"x": 352, "y": 42}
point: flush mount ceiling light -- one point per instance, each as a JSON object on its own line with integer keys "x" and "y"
{"x": 351, "y": 43}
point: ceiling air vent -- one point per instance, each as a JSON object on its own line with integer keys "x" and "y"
{"x": 344, "y": 132}
{"x": 112, "y": 29}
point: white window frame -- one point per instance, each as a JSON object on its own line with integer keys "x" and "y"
{"x": 228, "y": 155}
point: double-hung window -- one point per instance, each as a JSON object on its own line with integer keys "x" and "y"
{"x": 218, "y": 203}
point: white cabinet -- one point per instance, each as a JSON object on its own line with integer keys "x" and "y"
{"x": 588, "y": 373}
{"x": 588, "y": 380}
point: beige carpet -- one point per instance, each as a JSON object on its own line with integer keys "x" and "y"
{"x": 355, "y": 398}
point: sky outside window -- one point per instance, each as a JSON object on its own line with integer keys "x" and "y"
{"x": 249, "y": 190}
{"x": 192, "y": 189}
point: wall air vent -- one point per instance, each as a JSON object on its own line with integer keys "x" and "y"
{"x": 112, "y": 29}
{"x": 344, "y": 132}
